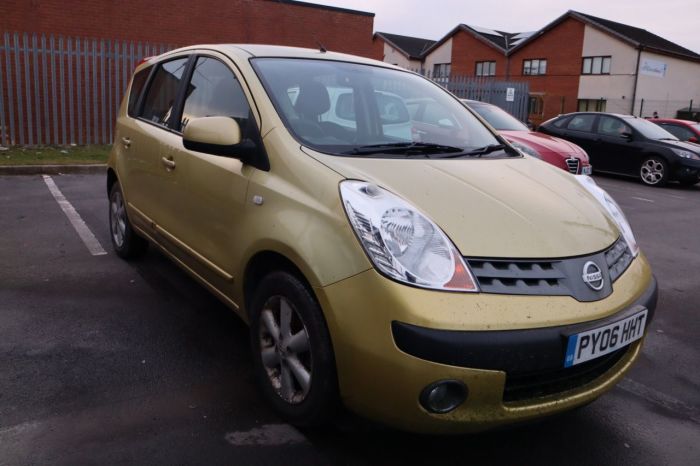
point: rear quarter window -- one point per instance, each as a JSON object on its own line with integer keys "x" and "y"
{"x": 137, "y": 85}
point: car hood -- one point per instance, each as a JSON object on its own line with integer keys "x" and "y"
{"x": 511, "y": 208}
{"x": 541, "y": 141}
{"x": 684, "y": 145}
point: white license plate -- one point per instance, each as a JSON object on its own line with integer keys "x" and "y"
{"x": 587, "y": 170}
{"x": 600, "y": 341}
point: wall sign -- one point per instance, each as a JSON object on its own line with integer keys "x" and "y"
{"x": 653, "y": 68}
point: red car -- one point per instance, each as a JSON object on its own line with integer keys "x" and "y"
{"x": 685, "y": 130}
{"x": 563, "y": 154}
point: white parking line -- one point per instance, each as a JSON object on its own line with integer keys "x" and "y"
{"x": 81, "y": 228}
{"x": 642, "y": 199}
{"x": 268, "y": 434}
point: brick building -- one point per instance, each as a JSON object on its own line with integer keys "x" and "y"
{"x": 576, "y": 62}
{"x": 183, "y": 22}
{"x": 64, "y": 66}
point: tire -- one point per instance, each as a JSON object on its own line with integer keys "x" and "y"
{"x": 296, "y": 373}
{"x": 126, "y": 243}
{"x": 654, "y": 171}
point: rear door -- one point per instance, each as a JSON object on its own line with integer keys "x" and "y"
{"x": 579, "y": 129}
{"x": 152, "y": 182}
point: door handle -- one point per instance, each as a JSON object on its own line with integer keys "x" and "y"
{"x": 127, "y": 142}
{"x": 168, "y": 162}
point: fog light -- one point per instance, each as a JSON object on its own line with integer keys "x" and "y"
{"x": 443, "y": 396}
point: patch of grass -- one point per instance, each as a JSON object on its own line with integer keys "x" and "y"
{"x": 54, "y": 155}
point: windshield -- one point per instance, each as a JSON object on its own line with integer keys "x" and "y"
{"x": 649, "y": 129}
{"x": 497, "y": 117}
{"x": 353, "y": 109}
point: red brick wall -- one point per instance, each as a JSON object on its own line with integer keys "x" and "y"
{"x": 186, "y": 22}
{"x": 467, "y": 50}
{"x": 85, "y": 109}
{"x": 562, "y": 46}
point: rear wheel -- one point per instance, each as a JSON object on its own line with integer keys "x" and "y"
{"x": 126, "y": 243}
{"x": 654, "y": 171}
{"x": 292, "y": 351}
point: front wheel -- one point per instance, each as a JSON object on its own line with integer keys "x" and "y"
{"x": 126, "y": 243}
{"x": 654, "y": 171}
{"x": 292, "y": 351}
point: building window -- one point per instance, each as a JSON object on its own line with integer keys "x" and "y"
{"x": 535, "y": 105}
{"x": 596, "y": 65}
{"x": 591, "y": 105}
{"x": 441, "y": 70}
{"x": 486, "y": 68}
{"x": 535, "y": 67}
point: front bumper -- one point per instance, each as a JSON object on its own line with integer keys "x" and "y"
{"x": 382, "y": 372}
{"x": 687, "y": 169}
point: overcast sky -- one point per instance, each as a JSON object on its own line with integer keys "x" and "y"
{"x": 675, "y": 20}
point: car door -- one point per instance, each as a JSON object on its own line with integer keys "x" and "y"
{"x": 579, "y": 130}
{"x": 152, "y": 183}
{"x": 214, "y": 187}
{"x": 619, "y": 145}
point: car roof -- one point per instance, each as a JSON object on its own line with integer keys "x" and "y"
{"x": 245, "y": 51}
{"x": 619, "y": 115}
{"x": 673, "y": 120}
{"x": 477, "y": 103}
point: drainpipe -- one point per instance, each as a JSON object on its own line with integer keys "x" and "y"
{"x": 636, "y": 78}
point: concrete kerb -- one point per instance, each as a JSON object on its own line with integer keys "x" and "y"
{"x": 53, "y": 169}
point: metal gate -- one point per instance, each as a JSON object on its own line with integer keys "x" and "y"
{"x": 63, "y": 90}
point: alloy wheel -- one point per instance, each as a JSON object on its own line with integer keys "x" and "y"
{"x": 285, "y": 349}
{"x": 117, "y": 216}
{"x": 652, "y": 171}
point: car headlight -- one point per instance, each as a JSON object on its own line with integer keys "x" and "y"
{"x": 401, "y": 242}
{"x": 525, "y": 149}
{"x": 686, "y": 154}
{"x": 613, "y": 209}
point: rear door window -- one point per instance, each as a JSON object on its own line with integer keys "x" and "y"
{"x": 214, "y": 91}
{"x": 162, "y": 92}
{"x": 582, "y": 123}
{"x": 136, "y": 87}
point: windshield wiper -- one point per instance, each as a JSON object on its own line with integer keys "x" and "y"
{"x": 408, "y": 148}
{"x": 484, "y": 150}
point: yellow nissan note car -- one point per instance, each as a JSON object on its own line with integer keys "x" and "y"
{"x": 434, "y": 278}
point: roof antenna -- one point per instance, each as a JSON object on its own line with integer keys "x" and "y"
{"x": 321, "y": 48}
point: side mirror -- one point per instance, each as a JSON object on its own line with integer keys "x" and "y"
{"x": 214, "y": 135}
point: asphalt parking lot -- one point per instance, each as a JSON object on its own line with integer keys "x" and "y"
{"x": 108, "y": 362}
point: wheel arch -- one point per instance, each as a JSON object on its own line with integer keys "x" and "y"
{"x": 263, "y": 263}
{"x": 111, "y": 179}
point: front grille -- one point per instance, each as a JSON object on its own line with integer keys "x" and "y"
{"x": 554, "y": 277}
{"x": 527, "y": 386}
{"x": 519, "y": 277}
{"x": 574, "y": 165}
